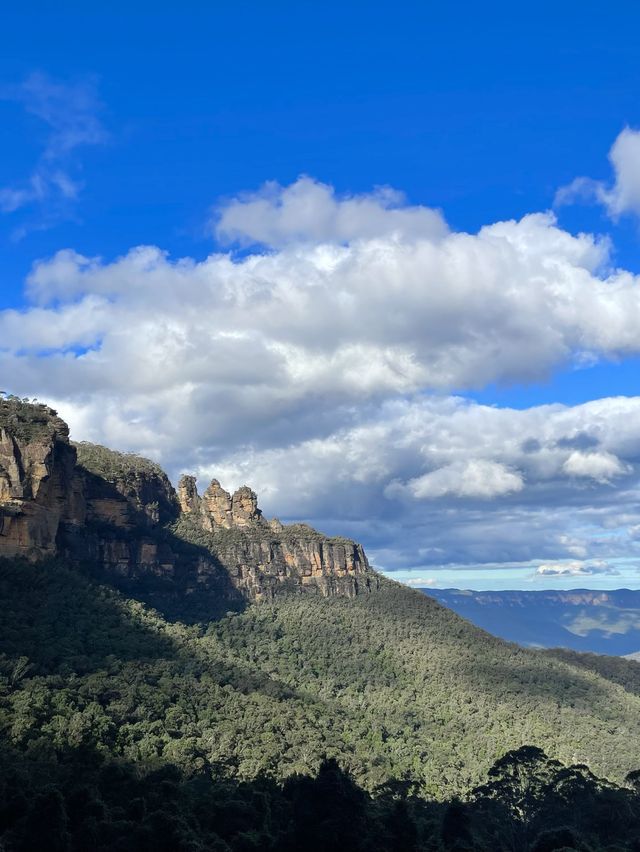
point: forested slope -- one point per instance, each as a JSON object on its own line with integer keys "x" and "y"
{"x": 306, "y": 723}
{"x": 433, "y": 696}
{"x": 391, "y": 684}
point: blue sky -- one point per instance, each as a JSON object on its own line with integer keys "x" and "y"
{"x": 145, "y": 126}
{"x": 482, "y": 110}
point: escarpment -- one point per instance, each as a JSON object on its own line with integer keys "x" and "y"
{"x": 263, "y": 556}
{"x": 37, "y": 489}
{"x": 119, "y": 513}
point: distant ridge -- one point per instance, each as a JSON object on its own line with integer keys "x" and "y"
{"x": 597, "y": 621}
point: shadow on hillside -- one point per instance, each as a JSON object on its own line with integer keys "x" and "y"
{"x": 59, "y": 622}
{"x": 537, "y": 680}
{"x": 197, "y": 589}
{"x": 73, "y": 798}
{"x": 61, "y": 791}
{"x": 625, "y": 673}
{"x": 189, "y": 595}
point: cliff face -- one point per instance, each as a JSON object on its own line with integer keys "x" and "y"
{"x": 299, "y": 558}
{"x": 120, "y": 513}
{"x": 127, "y": 503}
{"x": 263, "y": 557}
{"x": 36, "y": 479}
{"x": 123, "y": 489}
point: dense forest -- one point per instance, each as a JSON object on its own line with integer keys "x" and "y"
{"x": 380, "y": 722}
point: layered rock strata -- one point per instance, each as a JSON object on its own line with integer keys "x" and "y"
{"x": 263, "y": 556}
{"x": 37, "y": 490}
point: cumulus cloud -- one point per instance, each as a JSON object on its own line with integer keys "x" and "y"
{"x": 474, "y": 478}
{"x": 70, "y": 114}
{"x": 310, "y": 211}
{"x": 309, "y": 369}
{"x": 623, "y": 195}
{"x": 356, "y": 479}
{"x": 421, "y": 581}
{"x": 603, "y": 467}
{"x": 326, "y": 320}
{"x": 576, "y": 568}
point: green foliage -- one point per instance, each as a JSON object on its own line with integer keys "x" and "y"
{"x": 26, "y": 421}
{"x": 618, "y": 670}
{"x": 390, "y": 684}
{"x": 308, "y": 723}
{"x": 112, "y": 465}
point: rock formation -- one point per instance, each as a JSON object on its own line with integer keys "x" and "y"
{"x": 218, "y": 508}
{"x": 263, "y": 557}
{"x": 36, "y": 479}
{"x": 188, "y": 495}
{"x": 119, "y": 513}
{"x": 124, "y": 489}
{"x": 302, "y": 559}
{"x": 244, "y": 507}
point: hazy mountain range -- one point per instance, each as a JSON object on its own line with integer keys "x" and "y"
{"x": 603, "y": 622}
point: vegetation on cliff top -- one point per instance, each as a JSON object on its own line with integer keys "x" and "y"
{"x": 190, "y": 529}
{"x": 28, "y": 420}
{"x": 113, "y": 465}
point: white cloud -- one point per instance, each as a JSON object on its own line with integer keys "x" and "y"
{"x": 603, "y": 467}
{"x": 356, "y": 479}
{"x": 309, "y": 211}
{"x": 461, "y": 438}
{"x": 473, "y": 478}
{"x": 70, "y": 114}
{"x": 307, "y": 370}
{"x": 576, "y": 568}
{"x": 625, "y": 159}
{"x": 421, "y": 581}
{"x": 379, "y": 316}
{"x": 623, "y": 196}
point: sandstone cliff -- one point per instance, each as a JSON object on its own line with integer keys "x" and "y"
{"x": 36, "y": 479}
{"x": 263, "y": 557}
{"x": 119, "y": 513}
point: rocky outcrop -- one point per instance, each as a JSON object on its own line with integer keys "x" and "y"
{"x": 124, "y": 489}
{"x": 218, "y": 508}
{"x": 244, "y": 507}
{"x": 188, "y": 495}
{"x": 263, "y": 558}
{"x": 129, "y": 501}
{"x": 36, "y": 479}
{"x": 119, "y": 512}
{"x": 298, "y": 559}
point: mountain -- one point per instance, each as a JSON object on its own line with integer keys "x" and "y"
{"x": 120, "y": 513}
{"x": 602, "y": 622}
{"x": 178, "y": 673}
